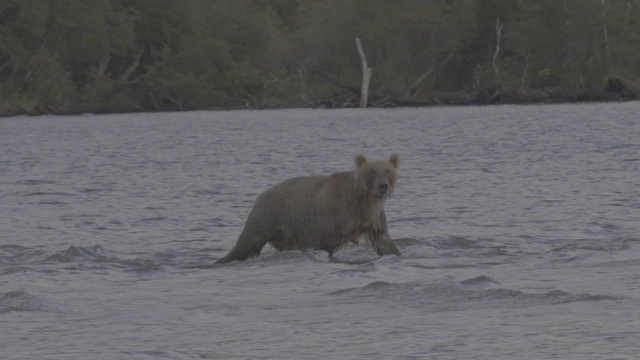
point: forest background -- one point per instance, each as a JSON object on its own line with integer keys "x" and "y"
{"x": 75, "y": 56}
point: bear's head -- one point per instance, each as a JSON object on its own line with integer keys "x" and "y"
{"x": 376, "y": 178}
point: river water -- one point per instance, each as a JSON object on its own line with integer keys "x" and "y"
{"x": 518, "y": 226}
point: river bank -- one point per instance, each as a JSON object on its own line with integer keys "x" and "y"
{"x": 613, "y": 91}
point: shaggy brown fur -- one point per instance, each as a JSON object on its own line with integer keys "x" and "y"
{"x": 322, "y": 212}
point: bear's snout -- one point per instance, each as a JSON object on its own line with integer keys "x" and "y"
{"x": 382, "y": 189}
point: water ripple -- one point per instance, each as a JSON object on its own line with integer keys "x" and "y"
{"x": 481, "y": 290}
{"x": 21, "y": 300}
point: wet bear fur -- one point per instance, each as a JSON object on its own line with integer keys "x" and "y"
{"x": 322, "y": 212}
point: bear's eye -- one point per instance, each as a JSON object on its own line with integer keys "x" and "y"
{"x": 372, "y": 172}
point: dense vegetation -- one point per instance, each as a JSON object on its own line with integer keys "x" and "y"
{"x": 65, "y": 56}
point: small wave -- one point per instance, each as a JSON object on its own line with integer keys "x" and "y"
{"x": 604, "y": 228}
{"x": 139, "y": 265}
{"x": 153, "y": 219}
{"x": 294, "y": 256}
{"x": 551, "y": 297}
{"x": 95, "y": 257}
{"x": 15, "y": 258}
{"x": 12, "y": 248}
{"x": 464, "y": 243}
{"x": 583, "y": 249}
{"x": 151, "y": 355}
{"x": 20, "y": 300}
{"x": 53, "y": 202}
{"x": 222, "y": 222}
{"x": 420, "y": 252}
{"x": 15, "y": 254}
{"x": 354, "y": 257}
{"x": 449, "y": 293}
{"x": 43, "y": 193}
{"x": 367, "y": 288}
{"x": 407, "y": 242}
{"x": 93, "y": 190}
{"x": 36, "y": 182}
{"x": 457, "y": 242}
{"x": 399, "y": 290}
{"x": 460, "y": 246}
{"x": 78, "y": 253}
{"x": 207, "y": 192}
{"x": 481, "y": 281}
{"x": 363, "y": 253}
{"x": 79, "y": 258}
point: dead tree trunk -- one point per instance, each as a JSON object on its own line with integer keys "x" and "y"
{"x": 495, "y": 91}
{"x": 495, "y": 63}
{"x": 606, "y": 34}
{"x": 525, "y": 71}
{"x": 134, "y": 65}
{"x": 366, "y": 76}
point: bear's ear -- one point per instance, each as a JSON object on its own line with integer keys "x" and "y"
{"x": 394, "y": 159}
{"x": 359, "y": 160}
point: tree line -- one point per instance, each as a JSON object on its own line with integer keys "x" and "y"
{"x": 71, "y": 56}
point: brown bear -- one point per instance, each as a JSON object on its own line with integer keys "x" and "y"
{"x": 322, "y": 212}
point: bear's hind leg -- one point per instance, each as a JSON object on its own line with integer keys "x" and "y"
{"x": 249, "y": 244}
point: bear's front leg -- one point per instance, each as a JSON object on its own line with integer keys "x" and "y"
{"x": 383, "y": 245}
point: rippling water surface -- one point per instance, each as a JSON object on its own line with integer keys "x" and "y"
{"x": 518, "y": 227}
